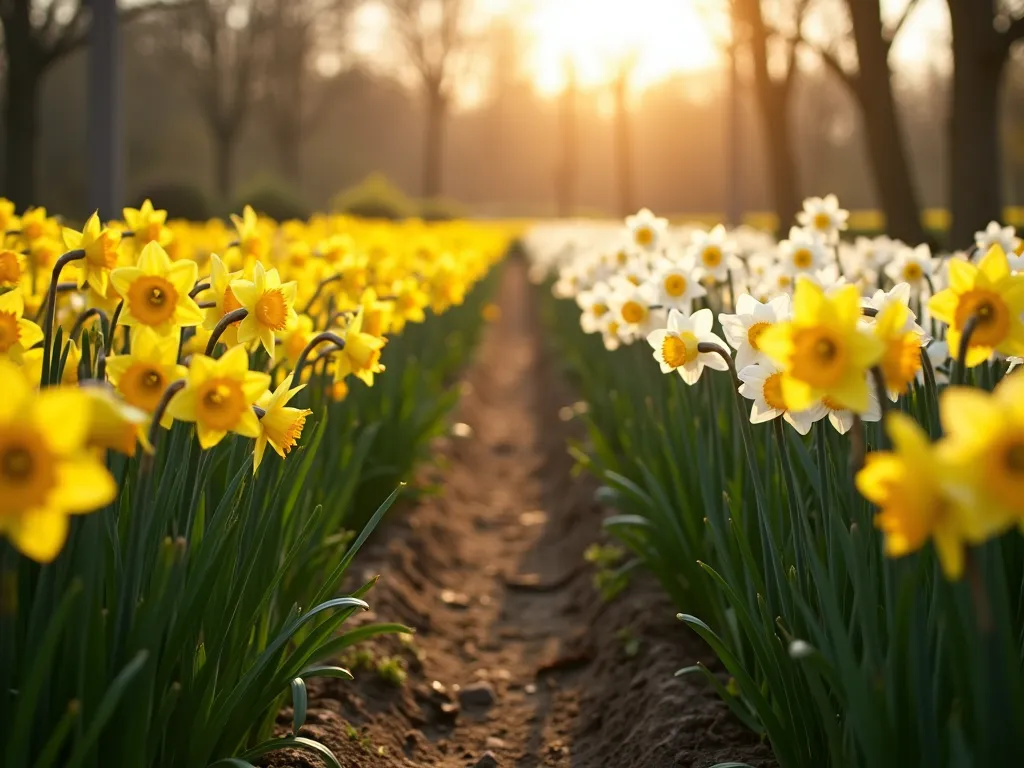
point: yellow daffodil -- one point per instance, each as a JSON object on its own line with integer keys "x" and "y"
{"x": 34, "y": 225}
{"x": 270, "y": 304}
{"x": 822, "y": 352}
{"x": 985, "y": 446}
{"x": 410, "y": 301}
{"x": 907, "y": 484}
{"x": 901, "y": 360}
{"x": 70, "y": 373}
{"x": 113, "y": 424}
{"x": 993, "y": 296}
{"x": 12, "y": 268}
{"x": 297, "y": 337}
{"x": 252, "y": 243}
{"x": 147, "y": 224}
{"x": 156, "y": 291}
{"x": 46, "y": 471}
{"x": 361, "y": 355}
{"x": 17, "y": 335}
{"x": 223, "y": 298}
{"x": 377, "y": 313}
{"x": 142, "y": 375}
{"x": 101, "y": 252}
{"x": 281, "y": 426}
{"x": 219, "y": 395}
{"x": 8, "y": 218}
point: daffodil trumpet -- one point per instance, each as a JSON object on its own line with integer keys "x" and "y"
{"x": 315, "y": 342}
{"x": 222, "y": 325}
{"x": 51, "y": 308}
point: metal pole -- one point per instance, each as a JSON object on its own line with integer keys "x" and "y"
{"x": 104, "y": 136}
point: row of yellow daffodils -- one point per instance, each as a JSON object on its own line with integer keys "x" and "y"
{"x": 215, "y": 325}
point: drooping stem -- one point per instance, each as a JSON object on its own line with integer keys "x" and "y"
{"x": 85, "y": 317}
{"x": 109, "y": 341}
{"x": 319, "y": 289}
{"x": 960, "y": 374}
{"x": 316, "y": 341}
{"x": 146, "y": 464}
{"x": 51, "y": 309}
{"x": 706, "y": 347}
{"x": 199, "y": 288}
{"x": 222, "y": 325}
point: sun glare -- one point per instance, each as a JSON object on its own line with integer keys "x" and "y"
{"x": 664, "y": 36}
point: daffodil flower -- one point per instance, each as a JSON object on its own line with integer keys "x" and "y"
{"x": 909, "y": 485}
{"x": 280, "y": 426}
{"x": 148, "y": 224}
{"x": 114, "y": 424}
{"x": 156, "y": 291}
{"x": 762, "y": 384}
{"x": 101, "y": 246}
{"x": 752, "y": 318}
{"x": 224, "y": 300}
{"x": 46, "y": 471}
{"x": 17, "y": 335}
{"x": 270, "y": 304}
{"x": 12, "y": 267}
{"x": 646, "y": 229}
{"x": 251, "y": 241}
{"x": 676, "y": 347}
{"x": 218, "y": 397}
{"x": 984, "y": 446}
{"x": 142, "y": 375}
{"x": 822, "y": 350}
{"x": 894, "y": 326}
{"x": 990, "y": 294}
{"x": 361, "y": 355}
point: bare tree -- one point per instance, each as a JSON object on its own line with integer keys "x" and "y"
{"x": 293, "y": 97}
{"x": 983, "y": 33}
{"x": 218, "y": 43}
{"x": 565, "y": 172}
{"x": 769, "y": 40}
{"x": 434, "y": 35}
{"x": 869, "y": 82}
{"x": 37, "y": 35}
{"x": 624, "y": 68}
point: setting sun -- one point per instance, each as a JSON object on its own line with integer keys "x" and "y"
{"x": 664, "y": 36}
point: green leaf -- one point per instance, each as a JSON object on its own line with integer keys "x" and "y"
{"x": 294, "y": 742}
{"x": 299, "y": 702}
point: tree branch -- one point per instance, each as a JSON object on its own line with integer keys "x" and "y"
{"x": 889, "y": 36}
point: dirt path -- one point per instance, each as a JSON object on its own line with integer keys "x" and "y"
{"x": 516, "y": 660}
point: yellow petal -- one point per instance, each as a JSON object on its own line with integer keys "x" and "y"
{"x": 907, "y": 436}
{"x": 943, "y": 304}
{"x": 808, "y": 302}
{"x": 255, "y": 384}
{"x": 209, "y": 437}
{"x": 950, "y": 550}
{"x": 962, "y": 275}
{"x": 994, "y": 265}
{"x": 183, "y": 405}
{"x": 39, "y": 534}
{"x": 233, "y": 364}
{"x": 852, "y": 393}
{"x": 201, "y": 369}
{"x": 257, "y": 454}
{"x": 967, "y": 412}
{"x": 154, "y": 260}
{"x": 846, "y": 305}
{"x": 13, "y": 302}
{"x": 777, "y": 343}
{"x": 62, "y": 414}
{"x": 187, "y": 313}
{"x": 29, "y": 334}
{"x": 83, "y": 485}
{"x": 183, "y": 276}
{"x": 248, "y": 424}
{"x": 246, "y": 292}
{"x": 798, "y": 395}
{"x": 123, "y": 277}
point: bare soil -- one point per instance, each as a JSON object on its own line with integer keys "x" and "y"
{"x": 516, "y": 660}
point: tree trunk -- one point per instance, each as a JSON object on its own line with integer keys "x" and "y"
{"x": 976, "y": 181}
{"x": 223, "y": 163}
{"x": 21, "y": 118}
{"x": 288, "y": 144}
{"x": 623, "y": 148}
{"x": 894, "y": 182}
{"x": 565, "y": 179}
{"x": 433, "y": 147}
{"x": 781, "y": 160}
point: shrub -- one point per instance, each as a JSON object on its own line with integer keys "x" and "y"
{"x": 181, "y": 200}
{"x": 276, "y": 199}
{"x": 375, "y": 197}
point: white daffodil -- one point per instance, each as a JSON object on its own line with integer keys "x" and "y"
{"x": 762, "y": 383}
{"x": 880, "y": 299}
{"x": 676, "y": 348}
{"x": 712, "y": 253}
{"x": 568, "y": 283}
{"x": 843, "y": 419}
{"x": 804, "y": 252}
{"x": 1014, "y": 362}
{"x": 631, "y": 307}
{"x": 646, "y": 230}
{"x": 913, "y": 266}
{"x": 675, "y": 286}
{"x": 995, "y": 234}
{"x": 823, "y": 215}
{"x": 609, "y": 328}
{"x": 595, "y": 305}
{"x": 752, "y": 318}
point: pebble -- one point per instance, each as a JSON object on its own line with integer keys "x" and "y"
{"x": 477, "y": 695}
{"x": 454, "y": 599}
{"x": 487, "y": 760}
{"x": 493, "y": 742}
